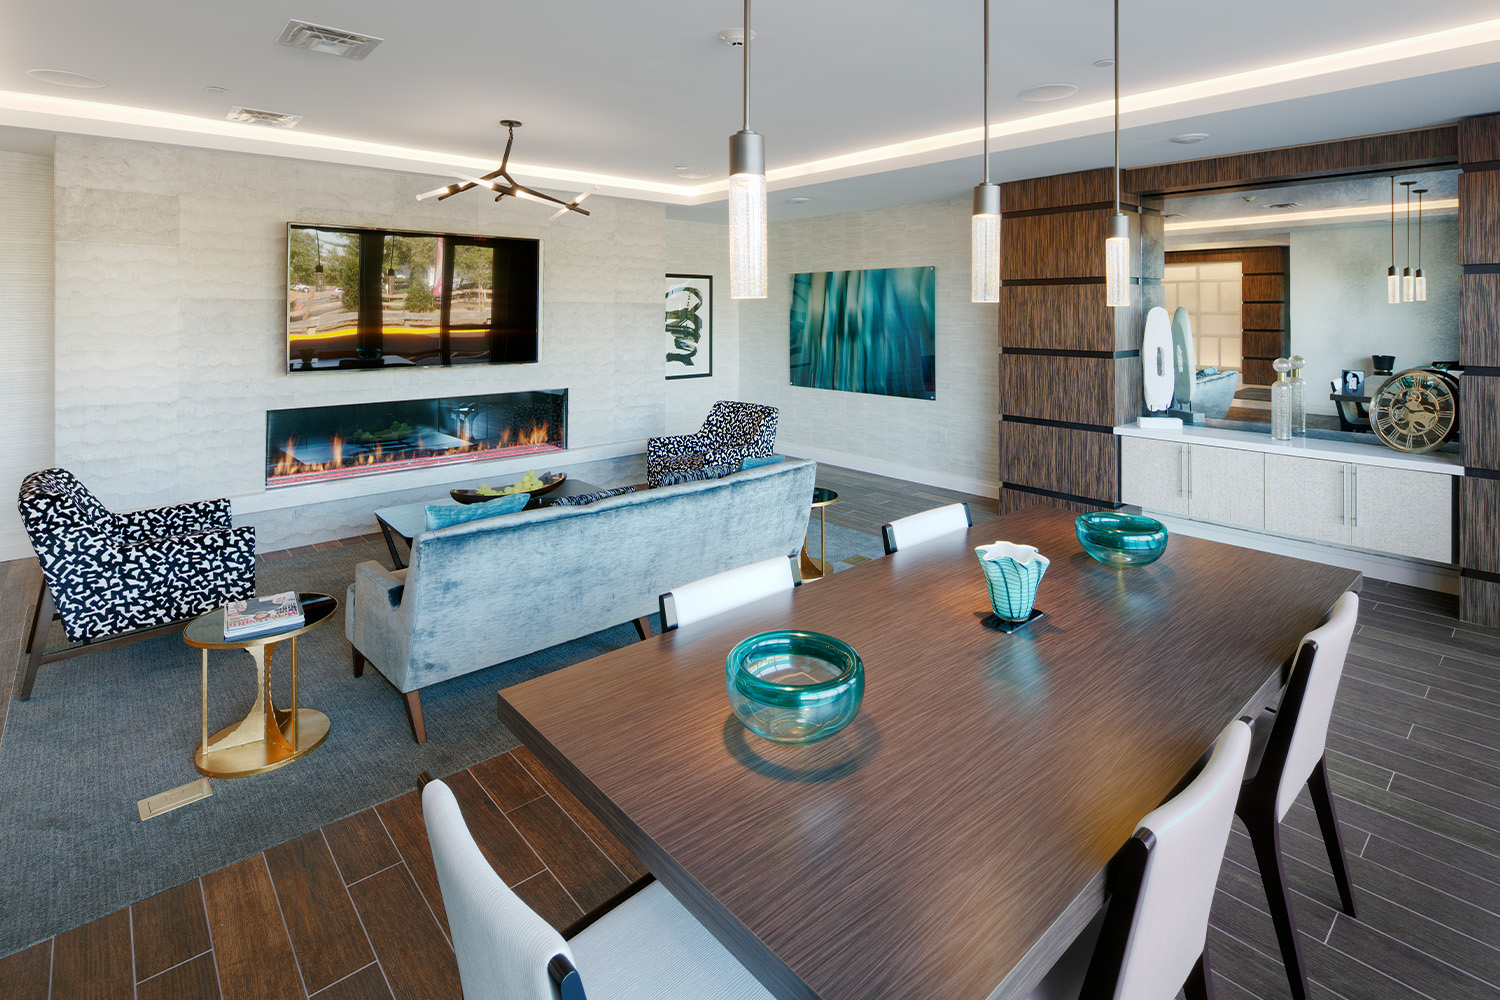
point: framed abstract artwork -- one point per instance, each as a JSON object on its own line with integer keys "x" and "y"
{"x": 689, "y": 326}
{"x": 865, "y": 331}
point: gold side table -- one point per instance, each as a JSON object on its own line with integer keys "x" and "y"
{"x": 268, "y": 737}
{"x": 816, "y": 569}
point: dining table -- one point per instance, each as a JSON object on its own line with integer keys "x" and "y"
{"x": 957, "y": 835}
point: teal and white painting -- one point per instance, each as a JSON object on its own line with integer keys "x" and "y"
{"x": 865, "y": 331}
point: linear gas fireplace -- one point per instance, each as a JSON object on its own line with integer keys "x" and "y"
{"x": 316, "y": 444}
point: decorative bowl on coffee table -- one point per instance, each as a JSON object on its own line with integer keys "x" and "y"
{"x": 550, "y": 482}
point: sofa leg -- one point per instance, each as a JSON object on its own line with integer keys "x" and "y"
{"x": 414, "y": 715}
{"x": 36, "y": 644}
{"x": 359, "y": 663}
{"x": 643, "y": 627}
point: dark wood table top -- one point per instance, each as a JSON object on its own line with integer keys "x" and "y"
{"x": 974, "y": 802}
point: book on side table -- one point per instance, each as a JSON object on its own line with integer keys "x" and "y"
{"x": 262, "y": 616}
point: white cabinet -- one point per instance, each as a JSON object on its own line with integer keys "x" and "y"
{"x": 1227, "y": 485}
{"x": 1307, "y": 498}
{"x": 1153, "y": 474}
{"x": 1403, "y": 513}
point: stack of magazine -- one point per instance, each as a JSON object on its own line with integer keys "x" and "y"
{"x": 262, "y": 616}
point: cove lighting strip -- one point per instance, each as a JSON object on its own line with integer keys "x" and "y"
{"x": 1270, "y": 221}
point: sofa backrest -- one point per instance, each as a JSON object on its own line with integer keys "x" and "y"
{"x": 506, "y": 586}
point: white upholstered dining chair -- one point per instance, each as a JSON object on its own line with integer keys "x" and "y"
{"x": 693, "y": 602}
{"x": 1150, "y": 940}
{"x": 648, "y": 946}
{"x": 1289, "y": 744}
{"x": 904, "y": 532}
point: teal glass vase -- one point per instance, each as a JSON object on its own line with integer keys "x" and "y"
{"x": 1012, "y": 572}
{"x": 794, "y": 687}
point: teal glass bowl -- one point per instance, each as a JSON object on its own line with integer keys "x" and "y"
{"x": 1121, "y": 539}
{"x": 794, "y": 687}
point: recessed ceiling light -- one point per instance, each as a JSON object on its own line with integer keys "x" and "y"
{"x": 216, "y": 90}
{"x": 688, "y": 174}
{"x": 272, "y": 119}
{"x": 331, "y": 41}
{"x": 799, "y": 200}
{"x": 63, "y": 78}
{"x": 1048, "y": 92}
{"x": 1188, "y": 138}
{"x": 1104, "y": 63}
{"x": 735, "y": 36}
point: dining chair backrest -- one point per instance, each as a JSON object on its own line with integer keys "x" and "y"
{"x": 1157, "y": 922}
{"x": 504, "y": 949}
{"x": 693, "y": 602}
{"x": 905, "y": 532}
{"x": 1308, "y": 703}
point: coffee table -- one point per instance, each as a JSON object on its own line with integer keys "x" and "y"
{"x": 407, "y": 521}
{"x": 268, "y": 737}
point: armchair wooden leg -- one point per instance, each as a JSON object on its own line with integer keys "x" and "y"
{"x": 36, "y": 643}
{"x": 1200, "y": 982}
{"x": 1265, "y": 836}
{"x": 414, "y": 715}
{"x": 1322, "y": 800}
{"x": 643, "y": 627}
{"x": 359, "y": 663}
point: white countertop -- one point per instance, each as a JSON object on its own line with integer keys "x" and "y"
{"x": 1356, "y": 452}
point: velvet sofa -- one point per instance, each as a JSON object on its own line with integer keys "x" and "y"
{"x": 483, "y": 592}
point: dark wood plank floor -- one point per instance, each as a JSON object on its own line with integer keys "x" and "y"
{"x": 352, "y": 910}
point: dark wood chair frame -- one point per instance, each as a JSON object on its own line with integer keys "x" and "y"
{"x": 1257, "y": 810}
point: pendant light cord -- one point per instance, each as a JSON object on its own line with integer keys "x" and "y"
{"x": 986, "y": 126}
{"x": 1419, "y": 229}
{"x": 1117, "y": 107}
{"x": 1393, "y": 221}
{"x": 1407, "y": 185}
{"x": 747, "y": 66}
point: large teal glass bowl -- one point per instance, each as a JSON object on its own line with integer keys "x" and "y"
{"x": 1121, "y": 539}
{"x": 794, "y": 687}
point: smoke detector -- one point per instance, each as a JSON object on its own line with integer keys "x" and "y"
{"x": 270, "y": 119}
{"x": 331, "y": 41}
{"x": 735, "y": 36}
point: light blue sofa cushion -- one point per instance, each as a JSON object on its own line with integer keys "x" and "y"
{"x": 755, "y": 462}
{"x": 446, "y": 515}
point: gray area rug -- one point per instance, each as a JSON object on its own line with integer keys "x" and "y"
{"x": 106, "y": 729}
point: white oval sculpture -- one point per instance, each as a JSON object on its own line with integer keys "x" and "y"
{"x": 1159, "y": 375}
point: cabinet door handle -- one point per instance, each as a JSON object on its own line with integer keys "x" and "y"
{"x": 1189, "y": 452}
{"x": 1343, "y": 492}
{"x": 1354, "y": 498}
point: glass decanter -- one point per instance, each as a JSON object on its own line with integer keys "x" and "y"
{"x": 1281, "y": 401}
{"x": 1299, "y": 395}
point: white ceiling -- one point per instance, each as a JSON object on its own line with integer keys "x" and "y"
{"x": 624, "y": 92}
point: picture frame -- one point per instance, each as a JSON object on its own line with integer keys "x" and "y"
{"x": 870, "y": 331}
{"x": 688, "y": 326}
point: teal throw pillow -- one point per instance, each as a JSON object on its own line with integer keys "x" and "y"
{"x": 445, "y": 515}
{"x": 755, "y": 463}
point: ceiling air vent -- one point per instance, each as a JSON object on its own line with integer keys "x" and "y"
{"x": 250, "y": 116}
{"x": 332, "y": 41}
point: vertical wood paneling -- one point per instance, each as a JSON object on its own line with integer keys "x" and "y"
{"x": 1479, "y": 514}
{"x": 1048, "y": 387}
{"x": 1479, "y": 139}
{"x": 1479, "y": 320}
{"x": 1479, "y": 602}
{"x": 1057, "y": 317}
{"x": 1479, "y": 413}
{"x": 1081, "y": 463}
{"x": 1479, "y": 344}
{"x": 1479, "y": 216}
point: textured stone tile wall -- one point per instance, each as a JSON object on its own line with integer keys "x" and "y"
{"x": 950, "y": 440}
{"x": 703, "y": 248}
{"x": 170, "y": 298}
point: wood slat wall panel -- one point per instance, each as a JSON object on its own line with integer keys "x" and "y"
{"x": 1087, "y": 187}
{"x": 1257, "y": 371}
{"x": 1264, "y": 316}
{"x": 1479, "y": 216}
{"x": 1479, "y": 139}
{"x": 1479, "y": 602}
{"x": 1479, "y": 415}
{"x": 1048, "y": 387}
{"x": 1080, "y": 463}
{"x": 1263, "y": 287}
{"x": 1479, "y": 513}
{"x": 93, "y": 962}
{"x": 1366, "y": 154}
{"x": 1057, "y": 317}
{"x": 1060, "y": 245}
{"x": 1262, "y": 344}
{"x": 169, "y": 928}
{"x": 1479, "y": 320}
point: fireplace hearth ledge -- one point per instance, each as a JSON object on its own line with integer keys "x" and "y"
{"x": 388, "y": 482}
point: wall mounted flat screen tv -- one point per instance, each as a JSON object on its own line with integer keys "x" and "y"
{"x": 378, "y": 299}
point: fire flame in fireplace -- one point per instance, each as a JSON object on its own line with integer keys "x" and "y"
{"x": 339, "y": 459}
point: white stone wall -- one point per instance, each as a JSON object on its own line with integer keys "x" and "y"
{"x": 703, "y": 248}
{"x": 26, "y": 296}
{"x": 171, "y": 298}
{"x": 951, "y": 441}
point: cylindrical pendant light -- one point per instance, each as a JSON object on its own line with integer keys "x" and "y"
{"x": 747, "y": 200}
{"x": 1392, "y": 280}
{"x": 1408, "y": 283}
{"x": 1421, "y": 279}
{"x": 1117, "y": 234}
{"x": 984, "y": 236}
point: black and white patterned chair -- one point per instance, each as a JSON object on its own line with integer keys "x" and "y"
{"x": 115, "y": 577}
{"x": 732, "y": 433}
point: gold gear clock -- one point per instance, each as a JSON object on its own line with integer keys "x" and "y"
{"x": 1416, "y": 409}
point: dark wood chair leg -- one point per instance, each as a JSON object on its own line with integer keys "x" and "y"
{"x": 643, "y": 627}
{"x": 1265, "y": 836}
{"x": 1322, "y": 799}
{"x": 1200, "y": 982}
{"x": 414, "y": 715}
{"x": 359, "y": 663}
{"x": 36, "y": 644}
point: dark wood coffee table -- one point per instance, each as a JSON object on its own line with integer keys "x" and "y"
{"x": 953, "y": 839}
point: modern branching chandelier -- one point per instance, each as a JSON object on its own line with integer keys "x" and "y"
{"x": 510, "y": 186}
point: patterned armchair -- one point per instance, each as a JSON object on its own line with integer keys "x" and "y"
{"x": 107, "y": 574}
{"x": 732, "y": 433}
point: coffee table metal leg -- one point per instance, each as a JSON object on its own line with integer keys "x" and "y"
{"x": 390, "y": 543}
{"x": 204, "y": 745}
